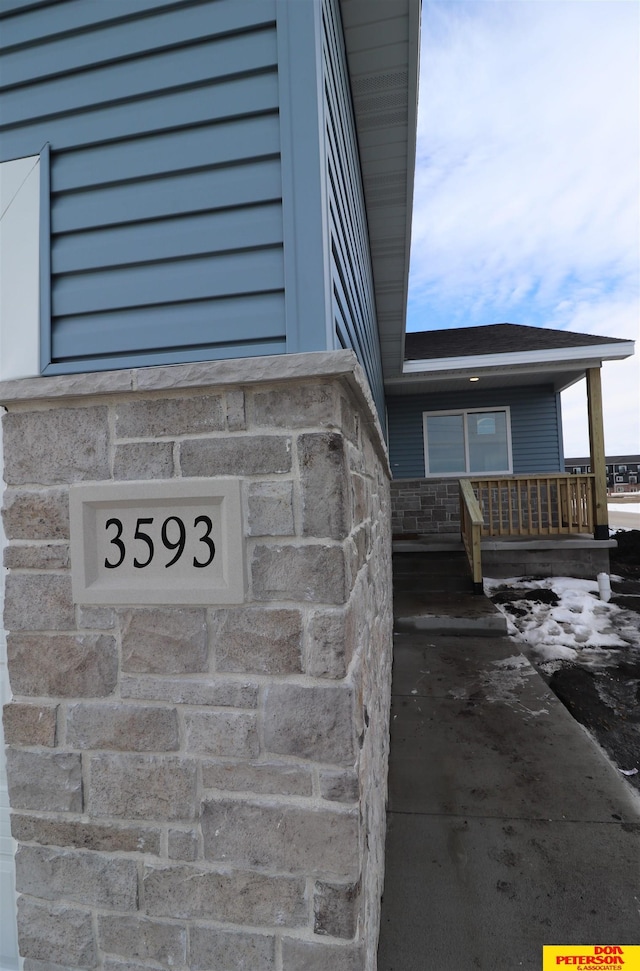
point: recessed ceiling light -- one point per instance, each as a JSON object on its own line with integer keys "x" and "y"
{"x": 474, "y": 379}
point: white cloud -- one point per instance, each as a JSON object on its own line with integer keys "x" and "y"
{"x": 527, "y": 183}
{"x": 620, "y": 383}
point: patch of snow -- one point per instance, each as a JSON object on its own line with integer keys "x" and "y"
{"x": 624, "y": 507}
{"x": 502, "y": 682}
{"x": 580, "y": 627}
{"x": 459, "y": 694}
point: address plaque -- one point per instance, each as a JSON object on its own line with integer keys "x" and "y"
{"x": 178, "y": 541}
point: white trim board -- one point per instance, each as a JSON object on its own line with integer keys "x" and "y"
{"x": 470, "y": 362}
{"x": 19, "y": 268}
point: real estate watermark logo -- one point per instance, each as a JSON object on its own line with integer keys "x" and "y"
{"x": 591, "y": 957}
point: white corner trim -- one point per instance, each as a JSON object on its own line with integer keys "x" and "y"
{"x": 595, "y": 352}
{"x": 20, "y": 268}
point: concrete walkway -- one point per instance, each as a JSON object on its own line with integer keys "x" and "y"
{"x": 507, "y": 826}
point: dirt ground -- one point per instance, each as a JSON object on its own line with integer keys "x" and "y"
{"x": 625, "y": 561}
{"x": 607, "y": 700}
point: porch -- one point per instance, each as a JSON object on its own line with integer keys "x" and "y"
{"x": 508, "y": 525}
{"x": 454, "y": 414}
{"x": 548, "y": 525}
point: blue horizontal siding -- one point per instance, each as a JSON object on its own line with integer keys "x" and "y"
{"x": 244, "y": 185}
{"x": 354, "y": 311}
{"x": 54, "y": 19}
{"x": 169, "y": 281}
{"x": 166, "y": 186}
{"x": 143, "y": 158}
{"x": 141, "y": 242}
{"x": 182, "y": 354}
{"x": 168, "y": 111}
{"x": 137, "y": 31}
{"x": 106, "y": 85}
{"x": 20, "y": 6}
{"x": 250, "y": 318}
{"x": 535, "y": 426}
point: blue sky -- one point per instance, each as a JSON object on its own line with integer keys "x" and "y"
{"x": 527, "y": 194}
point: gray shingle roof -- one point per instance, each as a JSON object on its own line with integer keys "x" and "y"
{"x": 494, "y": 339}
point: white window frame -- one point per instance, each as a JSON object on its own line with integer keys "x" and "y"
{"x": 464, "y": 412}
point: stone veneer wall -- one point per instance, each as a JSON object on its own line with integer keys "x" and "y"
{"x": 192, "y": 787}
{"x": 425, "y": 506}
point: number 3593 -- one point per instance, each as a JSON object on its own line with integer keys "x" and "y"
{"x": 144, "y": 544}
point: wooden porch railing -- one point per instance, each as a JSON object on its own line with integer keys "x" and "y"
{"x": 523, "y": 505}
{"x": 543, "y": 505}
{"x": 471, "y": 523}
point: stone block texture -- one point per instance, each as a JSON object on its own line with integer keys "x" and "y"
{"x": 425, "y": 506}
{"x": 203, "y": 786}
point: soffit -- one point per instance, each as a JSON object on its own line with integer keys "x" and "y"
{"x": 560, "y": 376}
{"x": 559, "y": 366}
{"x": 382, "y": 42}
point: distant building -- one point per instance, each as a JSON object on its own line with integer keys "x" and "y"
{"x": 622, "y": 471}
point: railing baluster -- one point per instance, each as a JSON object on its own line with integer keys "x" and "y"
{"x": 510, "y": 498}
{"x": 573, "y": 493}
{"x": 536, "y": 505}
{"x": 548, "y": 506}
{"x": 588, "y": 504}
{"x": 519, "y": 496}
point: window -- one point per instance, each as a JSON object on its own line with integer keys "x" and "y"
{"x": 467, "y": 442}
{"x": 633, "y": 478}
{"x": 619, "y": 478}
{"x": 621, "y": 468}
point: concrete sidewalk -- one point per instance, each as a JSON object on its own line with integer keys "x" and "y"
{"x": 507, "y": 826}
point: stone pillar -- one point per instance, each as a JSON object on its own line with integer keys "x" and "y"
{"x": 202, "y": 786}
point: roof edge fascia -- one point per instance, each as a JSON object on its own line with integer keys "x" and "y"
{"x": 396, "y": 329}
{"x": 415, "y": 27}
{"x": 470, "y": 362}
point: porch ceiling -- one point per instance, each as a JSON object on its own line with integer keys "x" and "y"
{"x": 559, "y": 374}
{"x": 382, "y": 40}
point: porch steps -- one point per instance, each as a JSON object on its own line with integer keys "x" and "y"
{"x": 511, "y": 556}
{"x": 433, "y": 591}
